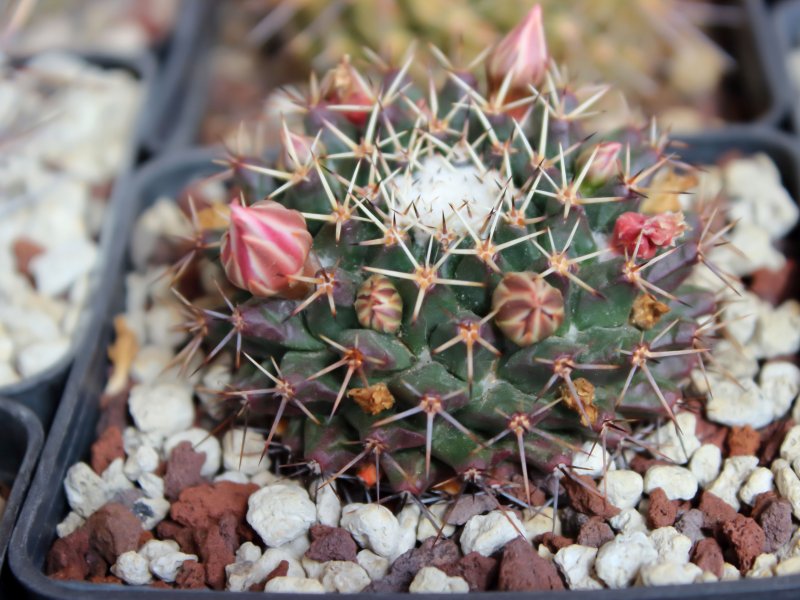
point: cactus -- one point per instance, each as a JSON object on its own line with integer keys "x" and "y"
{"x": 455, "y": 281}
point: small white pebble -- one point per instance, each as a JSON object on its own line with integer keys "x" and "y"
{"x": 789, "y": 566}
{"x": 592, "y": 460}
{"x": 576, "y": 564}
{"x": 542, "y": 522}
{"x": 329, "y": 507}
{"x": 730, "y": 573}
{"x": 672, "y": 546}
{"x": 150, "y": 511}
{"x": 486, "y": 534}
{"x": 294, "y": 585}
{"x": 280, "y": 513}
{"x": 762, "y": 567}
{"x": 164, "y": 407}
{"x": 790, "y": 448}
{"x": 85, "y": 489}
{"x": 233, "y": 477}
{"x": 154, "y": 549}
{"x": 375, "y": 566}
{"x": 426, "y": 529}
{"x": 623, "y": 488}
{"x": 780, "y": 383}
{"x": 628, "y": 521}
{"x": 618, "y": 561}
{"x": 788, "y": 484}
{"x": 669, "y": 574}
{"x": 373, "y": 527}
{"x": 759, "y": 481}
{"x": 677, "y": 447}
{"x": 70, "y": 523}
{"x": 706, "y": 463}
{"x": 738, "y": 403}
{"x": 152, "y": 485}
{"x": 248, "y": 458}
{"x": 735, "y": 472}
{"x": 144, "y": 459}
{"x": 678, "y": 483}
{"x": 430, "y": 580}
{"x": 166, "y": 567}
{"x": 132, "y": 568}
{"x": 344, "y": 577}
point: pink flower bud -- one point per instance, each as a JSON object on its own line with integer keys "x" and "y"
{"x": 605, "y": 164}
{"x": 522, "y": 52}
{"x": 656, "y": 232}
{"x": 266, "y": 243}
{"x": 349, "y": 88}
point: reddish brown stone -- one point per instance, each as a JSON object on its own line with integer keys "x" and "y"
{"x": 595, "y": 532}
{"x": 191, "y": 576}
{"x": 67, "y": 556}
{"x": 586, "y": 498}
{"x": 107, "y": 449}
{"x": 282, "y": 570}
{"x": 775, "y": 286}
{"x": 161, "y": 585}
{"x": 183, "y": 470}
{"x": 25, "y": 250}
{"x": 661, "y": 511}
{"x": 746, "y": 538}
{"x": 107, "y": 579}
{"x": 522, "y": 569}
{"x": 772, "y": 437}
{"x": 715, "y": 510}
{"x": 743, "y": 441}
{"x": 708, "y": 556}
{"x": 113, "y": 529}
{"x": 145, "y": 537}
{"x": 774, "y": 516}
{"x": 477, "y": 570}
{"x": 469, "y": 506}
{"x": 710, "y": 433}
{"x": 170, "y": 530}
{"x": 217, "y": 547}
{"x": 641, "y": 463}
{"x": 331, "y": 543}
{"x": 432, "y": 553}
{"x": 198, "y": 505}
{"x": 113, "y": 411}
{"x": 554, "y": 542}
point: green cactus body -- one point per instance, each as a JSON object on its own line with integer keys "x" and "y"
{"x": 470, "y": 304}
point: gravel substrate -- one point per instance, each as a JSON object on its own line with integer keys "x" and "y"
{"x": 161, "y": 501}
{"x": 66, "y": 132}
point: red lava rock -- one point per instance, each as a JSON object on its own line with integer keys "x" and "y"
{"x": 641, "y": 463}
{"x": 715, "y": 510}
{"x": 746, "y": 538}
{"x": 331, "y": 543}
{"x": 197, "y": 505}
{"x": 661, "y": 511}
{"x": 145, "y": 537}
{"x": 282, "y": 570}
{"x": 113, "y": 529}
{"x": 743, "y": 441}
{"x": 586, "y": 498}
{"x": 710, "y": 433}
{"x": 774, "y": 516}
{"x": 554, "y": 542}
{"x": 66, "y": 558}
{"x": 469, "y": 506}
{"x": 522, "y": 569}
{"x": 217, "y": 547}
{"x": 477, "y": 570}
{"x": 106, "y": 449}
{"x": 25, "y": 250}
{"x": 595, "y": 532}
{"x": 690, "y": 524}
{"x": 183, "y": 470}
{"x": 772, "y": 437}
{"x": 191, "y": 576}
{"x": 708, "y": 556}
{"x": 431, "y": 553}
{"x": 775, "y": 286}
{"x": 113, "y": 411}
{"x": 170, "y": 530}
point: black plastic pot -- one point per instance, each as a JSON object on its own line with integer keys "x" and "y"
{"x": 74, "y": 429}
{"x": 182, "y": 79}
{"x": 42, "y": 391}
{"x": 21, "y": 441}
{"x": 786, "y": 18}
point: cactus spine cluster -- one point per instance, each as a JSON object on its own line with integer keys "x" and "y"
{"x": 455, "y": 280}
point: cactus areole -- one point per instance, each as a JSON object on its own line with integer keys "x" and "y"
{"x": 445, "y": 279}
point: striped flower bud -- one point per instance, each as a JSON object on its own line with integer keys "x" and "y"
{"x": 528, "y": 308}
{"x": 523, "y": 53}
{"x": 266, "y": 243}
{"x": 378, "y": 305}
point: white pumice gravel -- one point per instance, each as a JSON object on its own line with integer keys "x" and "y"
{"x": 672, "y": 546}
{"x": 758, "y": 482}
{"x": 676, "y": 447}
{"x": 344, "y": 577}
{"x": 486, "y": 534}
{"x": 329, "y": 507}
{"x": 70, "y": 523}
{"x": 706, "y": 463}
{"x": 780, "y": 382}
{"x": 280, "y": 513}
{"x": 623, "y": 488}
{"x": 375, "y": 566}
{"x": 430, "y": 580}
{"x": 790, "y": 448}
{"x": 735, "y": 471}
{"x": 738, "y": 403}
{"x": 166, "y": 567}
{"x": 294, "y": 585}
{"x": 143, "y": 461}
{"x": 163, "y": 407}
{"x": 788, "y": 484}
{"x": 576, "y": 564}
{"x": 430, "y": 523}
{"x": 762, "y": 567}
{"x": 151, "y": 484}
{"x": 132, "y": 568}
{"x": 150, "y": 511}
{"x": 246, "y": 457}
{"x": 592, "y": 460}
{"x": 373, "y": 527}
{"x": 668, "y": 573}
{"x": 85, "y": 489}
{"x": 541, "y": 522}
{"x": 678, "y": 483}
{"x": 628, "y": 521}
{"x": 618, "y": 561}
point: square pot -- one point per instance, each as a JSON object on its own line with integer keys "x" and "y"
{"x": 74, "y": 429}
